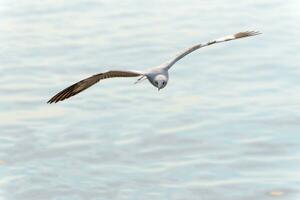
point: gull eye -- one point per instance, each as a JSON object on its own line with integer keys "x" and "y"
{"x": 164, "y": 83}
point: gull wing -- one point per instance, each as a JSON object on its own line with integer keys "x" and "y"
{"x": 88, "y": 82}
{"x": 185, "y": 52}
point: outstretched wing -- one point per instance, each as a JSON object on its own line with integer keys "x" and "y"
{"x": 195, "y": 47}
{"x": 88, "y": 82}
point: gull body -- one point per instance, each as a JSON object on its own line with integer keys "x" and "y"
{"x": 158, "y": 76}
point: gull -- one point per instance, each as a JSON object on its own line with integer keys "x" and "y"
{"x": 158, "y": 76}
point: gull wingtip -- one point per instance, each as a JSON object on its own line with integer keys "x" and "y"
{"x": 255, "y": 32}
{"x": 246, "y": 34}
{"x": 49, "y": 102}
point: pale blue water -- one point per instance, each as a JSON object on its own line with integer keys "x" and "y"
{"x": 227, "y": 126}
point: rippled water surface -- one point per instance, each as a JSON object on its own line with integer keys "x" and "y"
{"x": 227, "y": 126}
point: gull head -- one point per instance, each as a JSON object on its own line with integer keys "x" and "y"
{"x": 160, "y": 81}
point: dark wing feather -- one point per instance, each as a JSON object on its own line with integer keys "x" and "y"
{"x": 88, "y": 82}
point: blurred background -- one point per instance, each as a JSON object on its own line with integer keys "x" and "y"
{"x": 226, "y": 126}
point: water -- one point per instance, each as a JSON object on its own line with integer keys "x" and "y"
{"x": 225, "y": 127}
